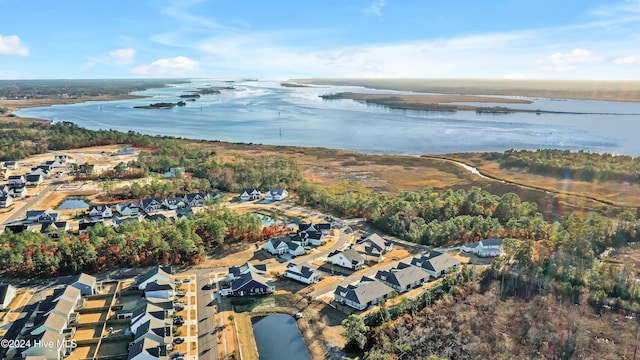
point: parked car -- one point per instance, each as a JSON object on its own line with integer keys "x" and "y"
{"x": 178, "y": 322}
{"x": 180, "y": 293}
{"x": 177, "y": 282}
{"x": 179, "y": 340}
{"x": 176, "y": 355}
{"x": 186, "y": 280}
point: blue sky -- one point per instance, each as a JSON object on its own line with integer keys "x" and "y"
{"x": 534, "y": 39}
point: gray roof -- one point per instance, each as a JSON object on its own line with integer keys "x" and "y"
{"x": 247, "y": 267}
{"x": 155, "y": 326}
{"x": 245, "y": 278}
{"x": 84, "y": 279}
{"x": 435, "y": 261}
{"x": 491, "y": 242}
{"x": 68, "y": 291}
{"x": 471, "y": 246}
{"x": 148, "y": 346}
{"x": 303, "y": 270}
{"x": 64, "y": 306}
{"x": 402, "y": 277}
{"x": 376, "y": 241}
{"x": 53, "y": 321}
{"x": 350, "y": 255}
{"x": 148, "y": 308}
{"x": 276, "y": 191}
{"x": 365, "y": 291}
{"x": 162, "y": 270}
{"x": 100, "y": 207}
{"x": 159, "y": 285}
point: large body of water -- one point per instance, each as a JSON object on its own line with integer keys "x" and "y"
{"x": 278, "y": 338}
{"x": 264, "y": 112}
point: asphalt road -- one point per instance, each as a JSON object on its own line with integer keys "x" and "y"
{"x": 207, "y": 343}
{"x": 29, "y": 204}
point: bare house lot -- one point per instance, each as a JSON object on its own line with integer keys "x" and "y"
{"x": 87, "y": 333}
{"x": 113, "y": 348}
{"x": 83, "y": 352}
{"x": 97, "y": 304}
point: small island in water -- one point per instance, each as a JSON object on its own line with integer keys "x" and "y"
{"x": 161, "y": 105}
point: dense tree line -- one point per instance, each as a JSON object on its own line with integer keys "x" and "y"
{"x": 432, "y": 217}
{"x": 262, "y": 172}
{"x": 131, "y": 244}
{"x": 580, "y": 165}
{"x": 78, "y": 87}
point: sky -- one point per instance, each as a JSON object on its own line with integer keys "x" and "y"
{"x": 282, "y": 39}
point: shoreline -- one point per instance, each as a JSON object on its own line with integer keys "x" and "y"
{"x": 597, "y": 90}
{"x": 15, "y": 105}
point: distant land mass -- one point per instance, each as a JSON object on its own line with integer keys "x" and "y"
{"x": 605, "y": 90}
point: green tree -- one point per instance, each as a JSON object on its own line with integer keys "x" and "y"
{"x": 355, "y": 331}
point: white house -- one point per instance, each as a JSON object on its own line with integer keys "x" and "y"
{"x": 7, "y": 294}
{"x": 151, "y": 205}
{"x": 5, "y": 200}
{"x": 194, "y": 199}
{"x": 283, "y": 245}
{"x": 250, "y": 194}
{"x": 148, "y": 349}
{"x": 34, "y": 179}
{"x": 362, "y": 295}
{"x": 128, "y": 208}
{"x": 402, "y": 279}
{"x": 42, "y": 216}
{"x": 19, "y": 192}
{"x": 276, "y": 195}
{"x": 435, "y": 263}
{"x": 102, "y": 211}
{"x": 174, "y": 172}
{"x": 16, "y": 181}
{"x": 126, "y": 151}
{"x": 11, "y": 165}
{"x": 146, "y": 312}
{"x": 303, "y": 273}
{"x": 55, "y": 352}
{"x": 159, "y": 289}
{"x": 485, "y": 248}
{"x": 158, "y": 273}
{"x": 349, "y": 259}
{"x": 55, "y": 163}
{"x": 173, "y": 203}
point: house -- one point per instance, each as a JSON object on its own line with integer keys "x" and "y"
{"x": 126, "y": 151}
{"x": 86, "y": 283}
{"x": 174, "y": 172}
{"x": 236, "y": 271}
{"x": 313, "y": 234}
{"x": 5, "y": 200}
{"x": 276, "y": 195}
{"x": 102, "y": 211}
{"x": 61, "y": 158}
{"x": 349, "y": 259}
{"x": 36, "y": 171}
{"x": 148, "y": 349}
{"x": 117, "y": 221}
{"x": 362, "y": 295}
{"x": 42, "y": 216}
{"x": 120, "y": 168}
{"x": 173, "y": 203}
{"x": 54, "y": 228}
{"x": 250, "y": 194}
{"x": 315, "y": 238}
{"x": 146, "y": 312}
{"x": 251, "y": 283}
{"x": 284, "y": 245}
{"x": 19, "y": 192}
{"x": 436, "y": 263}
{"x": 485, "y": 248}
{"x": 184, "y": 213}
{"x": 303, "y": 273}
{"x": 16, "y": 181}
{"x": 150, "y": 205}
{"x": 11, "y": 165}
{"x": 161, "y": 289}
{"x": 403, "y": 279}
{"x": 33, "y": 179}
{"x": 84, "y": 226}
{"x": 16, "y": 229}
{"x": 373, "y": 247}
{"x": 155, "y": 330}
{"x": 158, "y": 273}
{"x": 154, "y": 217}
{"x": 43, "y": 167}
{"x": 68, "y": 293}
{"x": 194, "y": 199}
{"x": 128, "y": 208}
{"x": 86, "y": 168}
{"x": 57, "y": 351}
{"x": 7, "y": 294}
{"x": 54, "y": 163}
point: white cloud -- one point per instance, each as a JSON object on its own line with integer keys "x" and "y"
{"x": 122, "y": 56}
{"x": 567, "y": 61}
{"x": 628, "y": 60}
{"x": 376, "y": 7}
{"x": 176, "y": 66}
{"x": 11, "y": 45}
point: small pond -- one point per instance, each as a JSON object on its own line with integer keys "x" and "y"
{"x": 278, "y": 338}
{"x": 73, "y": 203}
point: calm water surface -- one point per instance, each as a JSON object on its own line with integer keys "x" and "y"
{"x": 264, "y": 112}
{"x": 278, "y": 338}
